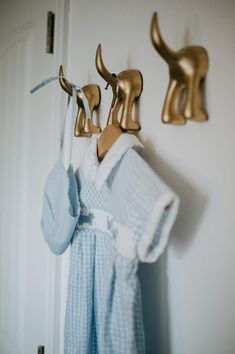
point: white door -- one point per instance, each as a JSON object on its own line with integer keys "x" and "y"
{"x": 29, "y": 131}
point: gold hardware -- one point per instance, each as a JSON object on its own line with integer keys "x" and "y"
{"x": 50, "y": 32}
{"x": 84, "y": 125}
{"x": 110, "y": 133}
{"x": 127, "y": 87}
{"x": 187, "y": 68}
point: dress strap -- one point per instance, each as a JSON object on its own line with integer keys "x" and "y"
{"x": 70, "y": 119}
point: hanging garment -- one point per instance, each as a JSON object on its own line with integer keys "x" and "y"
{"x": 61, "y": 206}
{"x": 126, "y": 215}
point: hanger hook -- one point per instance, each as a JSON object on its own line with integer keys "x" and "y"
{"x": 102, "y": 70}
{"x": 67, "y": 87}
{"x": 158, "y": 42}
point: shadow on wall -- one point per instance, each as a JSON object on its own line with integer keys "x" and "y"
{"x": 153, "y": 277}
{"x": 154, "y": 289}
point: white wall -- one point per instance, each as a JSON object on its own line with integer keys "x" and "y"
{"x": 191, "y": 310}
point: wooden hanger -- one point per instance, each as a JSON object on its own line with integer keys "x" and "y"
{"x": 107, "y": 139}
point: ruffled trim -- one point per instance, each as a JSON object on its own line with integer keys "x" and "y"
{"x": 161, "y": 220}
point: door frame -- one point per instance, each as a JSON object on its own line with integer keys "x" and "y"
{"x": 57, "y": 292}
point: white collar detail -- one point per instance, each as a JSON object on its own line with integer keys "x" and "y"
{"x": 98, "y": 172}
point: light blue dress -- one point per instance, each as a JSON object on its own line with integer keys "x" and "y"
{"x": 114, "y": 214}
{"x": 125, "y": 217}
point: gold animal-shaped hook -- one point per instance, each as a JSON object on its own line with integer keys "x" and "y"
{"x": 84, "y": 125}
{"x": 127, "y": 87}
{"x": 188, "y": 68}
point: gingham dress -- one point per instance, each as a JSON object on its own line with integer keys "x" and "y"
{"x": 126, "y": 216}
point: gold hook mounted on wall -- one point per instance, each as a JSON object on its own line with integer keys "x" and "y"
{"x": 84, "y": 126}
{"x": 187, "y": 68}
{"x": 127, "y": 87}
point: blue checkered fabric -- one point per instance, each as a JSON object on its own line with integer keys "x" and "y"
{"x": 126, "y": 214}
{"x": 103, "y": 313}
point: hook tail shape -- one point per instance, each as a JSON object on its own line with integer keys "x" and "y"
{"x": 67, "y": 87}
{"x": 102, "y": 70}
{"x": 159, "y": 44}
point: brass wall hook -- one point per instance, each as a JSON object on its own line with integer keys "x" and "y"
{"x": 187, "y": 68}
{"x": 84, "y": 126}
{"x": 127, "y": 87}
